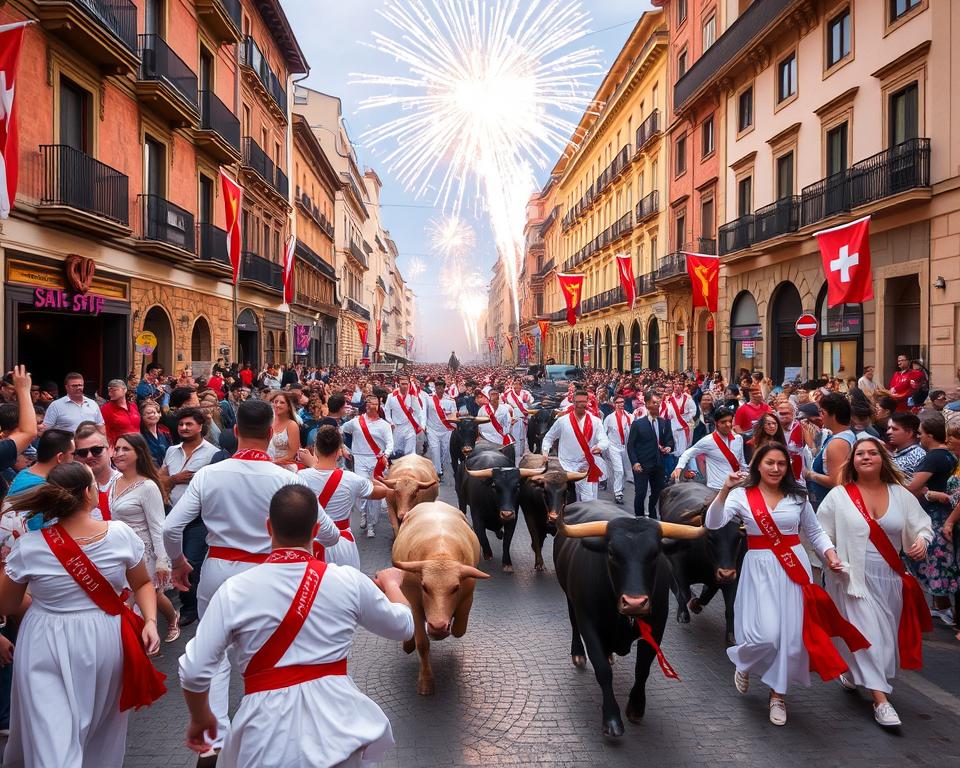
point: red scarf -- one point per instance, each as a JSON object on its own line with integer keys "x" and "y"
{"x": 647, "y": 636}
{"x": 678, "y": 410}
{"x": 376, "y": 449}
{"x": 725, "y": 450}
{"x": 796, "y": 457}
{"x": 821, "y": 619}
{"x": 618, "y": 414}
{"x": 142, "y": 684}
{"x": 406, "y": 412}
{"x": 262, "y": 672}
{"x": 104, "y": 503}
{"x": 251, "y": 454}
{"x": 496, "y": 425}
{"x": 583, "y": 437}
{"x": 915, "y": 616}
{"x": 440, "y": 414}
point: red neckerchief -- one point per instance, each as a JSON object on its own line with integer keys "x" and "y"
{"x": 440, "y": 414}
{"x": 374, "y": 448}
{"x": 496, "y": 425}
{"x": 618, "y": 414}
{"x": 251, "y": 454}
{"x": 821, "y": 619}
{"x": 103, "y": 503}
{"x": 141, "y": 683}
{"x": 286, "y": 555}
{"x": 583, "y": 437}
{"x": 678, "y": 410}
{"x": 915, "y": 615}
{"x": 724, "y": 447}
{"x": 406, "y": 411}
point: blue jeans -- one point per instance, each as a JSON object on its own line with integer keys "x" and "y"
{"x": 195, "y": 550}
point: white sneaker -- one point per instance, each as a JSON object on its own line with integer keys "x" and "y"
{"x": 370, "y": 533}
{"x": 742, "y": 681}
{"x": 363, "y": 520}
{"x": 846, "y": 683}
{"x": 778, "y": 711}
{"x": 886, "y": 715}
{"x": 944, "y": 614}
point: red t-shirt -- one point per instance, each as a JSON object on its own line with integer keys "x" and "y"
{"x": 902, "y": 385}
{"x": 216, "y": 384}
{"x": 119, "y": 421}
{"x": 246, "y": 376}
{"x": 749, "y": 414}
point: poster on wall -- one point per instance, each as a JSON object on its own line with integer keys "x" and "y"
{"x": 301, "y": 339}
{"x": 748, "y": 349}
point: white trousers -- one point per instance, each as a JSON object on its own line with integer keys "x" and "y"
{"x": 618, "y": 463}
{"x": 680, "y": 441}
{"x": 519, "y": 433}
{"x": 404, "y": 440}
{"x": 438, "y": 448}
{"x": 586, "y": 491}
{"x": 364, "y": 465}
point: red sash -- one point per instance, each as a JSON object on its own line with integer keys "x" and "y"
{"x": 518, "y": 401}
{"x": 251, "y": 454}
{"x": 262, "y": 672}
{"x": 104, "y": 503}
{"x": 678, "y": 410}
{"x": 377, "y": 450}
{"x": 142, "y": 683}
{"x": 236, "y": 555}
{"x": 727, "y": 453}
{"x": 496, "y": 425}
{"x": 406, "y": 412}
{"x": 440, "y": 414}
{"x": 796, "y": 457}
{"x": 320, "y": 552}
{"x": 647, "y": 636}
{"x": 583, "y": 437}
{"x": 821, "y": 619}
{"x": 915, "y": 615}
{"x": 618, "y": 414}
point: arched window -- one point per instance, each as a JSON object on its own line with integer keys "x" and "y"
{"x": 157, "y": 321}
{"x": 200, "y": 343}
{"x": 786, "y": 359}
{"x": 653, "y": 344}
{"x": 745, "y": 334}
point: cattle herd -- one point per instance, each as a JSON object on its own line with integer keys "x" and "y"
{"x": 616, "y": 570}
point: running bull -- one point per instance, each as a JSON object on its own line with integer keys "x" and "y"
{"x": 543, "y": 498}
{"x": 413, "y": 480}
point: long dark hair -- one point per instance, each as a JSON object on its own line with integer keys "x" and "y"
{"x": 788, "y": 484}
{"x": 145, "y": 466}
{"x": 62, "y": 496}
{"x": 761, "y": 438}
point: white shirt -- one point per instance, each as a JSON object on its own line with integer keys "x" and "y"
{"x": 65, "y": 414}
{"x": 569, "y": 451}
{"x": 520, "y": 401}
{"x": 613, "y": 432}
{"x": 379, "y": 430}
{"x": 351, "y": 488}
{"x": 688, "y": 410}
{"x": 175, "y": 460}
{"x": 503, "y": 415}
{"x": 717, "y": 465}
{"x": 449, "y": 408}
{"x": 395, "y": 415}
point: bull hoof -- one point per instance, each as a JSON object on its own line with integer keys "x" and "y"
{"x": 683, "y": 617}
{"x": 539, "y": 567}
{"x": 613, "y": 728}
{"x": 731, "y": 639}
{"x": 695, "y": 605}
{"x": 580, "y": 662}
{"x": 409, "y": 646}
{"x": 426, "y": 687}
{"x": 635, "y": 714}
{"x": 488, "y": 555}
{"x": 507, "y": 568}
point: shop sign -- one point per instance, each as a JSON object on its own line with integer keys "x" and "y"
{"x": 81, "y": 303}
{"x": 747, "y": 347}
{"x": 301, "y": 339}
{"x": 146, "y": 342}
{"x": 746, "y": 332}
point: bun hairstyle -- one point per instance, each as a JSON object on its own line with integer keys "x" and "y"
{"x": 62, "y": 496}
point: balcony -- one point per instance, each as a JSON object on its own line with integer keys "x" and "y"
{"x": 167, "y": 229}
{"x": 779, "y": 218}
{"x": 102, "y": 31}
{"x": 219, "y": 132}
{"x": 648, "y": 206}
{"x": 212, "y": 255}
{"x": 646, "y": 284}
{"x": 81, "y": 192}
{"x": 272, "y": 91}
{"x": 736, "y": 235}
{"x": 257, "y": 161}
{"x": 622, "y": 227}
{"x": 560, "y": 316}
{"x": 603, "y": 300}
{"x": 311, "y": 257}
{"x": 381, "y": 285}
{"x": 613, "y": 171}
{"x": 648, "y": 129}
{"x": 358, "y": 309}
{"x": 358, "y": 254}
{"x": 673, "y": 267}
{"x": 166, "y": 83}
{"x": 261, "y": 272}
{"x": 545, "y": 269}
{"x": 222, "y": 18}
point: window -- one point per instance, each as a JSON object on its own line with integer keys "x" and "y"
{"x": 745, "y": 196}
{"x": 838, "y": 38}
{"x": 707, "y": 223}
{"x": 681, "y": 155}
{"x": 900, "y": 7}
{"x": 904, "y": 115}
{"x": 837, "y": 149}
{"x": 682, "y": 64}
{"x": 745, "y": 109}
{"x": 680, "y": 233}
{"x": 787, "y": 77}
{"x": 205, "y": 209}
{"x": 706, "y": 136}
{"x": 265, "y": 242}
{"x": 75, "y": 121}
{"x": 681, "y": 11}
{"x": 154, "y": 154}
{"x": 709, "y": 32}
{"x": 785, "y": 176}
{"x": 653, "y": 250}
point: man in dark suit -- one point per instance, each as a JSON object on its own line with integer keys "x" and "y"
{"x": 649, "y": 440}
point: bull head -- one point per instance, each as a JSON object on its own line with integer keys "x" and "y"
{"x": 439, "y": 585}
{"x": 421, "y": 484}
{"x": 599, "y": 528}
{"x": 486, "y": 474}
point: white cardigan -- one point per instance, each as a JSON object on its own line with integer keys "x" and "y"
{"x": 845, "y": 525}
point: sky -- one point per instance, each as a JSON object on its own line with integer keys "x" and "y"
{"x": 335, "y": 37}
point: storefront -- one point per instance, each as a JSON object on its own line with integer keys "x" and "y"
{"x": 746, "y": 335}
{"x": 62, "y": 316}
{"x": 839, "y": 341}
{"x": 248, "y": 339}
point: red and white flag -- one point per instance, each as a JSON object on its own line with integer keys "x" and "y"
{"x": 845, "y": 253}
{"x": 289, "y": 254}
{"x": 232, "y": 207}
{"x": 704, "y": 274}
{"x": 11, "y": 38}
{"x": 625, "y": 268}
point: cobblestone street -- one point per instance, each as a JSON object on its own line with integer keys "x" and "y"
{"x": 508, "y": 695}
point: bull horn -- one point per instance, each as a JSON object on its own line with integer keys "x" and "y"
{"x": 412, "y": 566}
{"x": 424, "y": 484}
{"x": 469, "y": 572}
{"x": 481, "y": 419}
{"x": 524, "y": 472}
{"x": 532, "y": 411}
{"x": 391, "y": 483}
{"x": 575, "y": 477}
{"x": 453, "y": 418}
{"x": 481, "y": 473}
{"x": 677, "y": 531}
{"x": 583, "y": 530}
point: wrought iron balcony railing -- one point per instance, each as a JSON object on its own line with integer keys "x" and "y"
{"x": 74, "y": 179}
{"x": 159, "y": 63}
{"x": 166, "y": 222}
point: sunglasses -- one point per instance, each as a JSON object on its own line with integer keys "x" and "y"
{"x": 96, "y": 450}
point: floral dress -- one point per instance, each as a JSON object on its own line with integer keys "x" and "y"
{"x": 939, "y": 573}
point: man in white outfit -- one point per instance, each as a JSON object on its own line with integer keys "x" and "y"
{"x": 233, "y": 496}
{"x": 617, "y": 427}
{"x": 300, "y": 706}
{"x": 722, "y": 450}
{"x": 520, "y": 400}
{"x": 372, "y": 444}
{"x": 439, "y": 408}
{"x": 681, "y": 411}
{"x": 497, "y": 430}
{"x": 402, "y": 409}
{"x": 581, "y": 439}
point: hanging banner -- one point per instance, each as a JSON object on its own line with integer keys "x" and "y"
{"x": 845, "y": 252}
{"x": 362, "y": 331}
{"x": 289, "y": 255}
{"x": 232, "y": 206}
{"x": 544, "y": 330}
{"x": 11, "y": 39}
{"x": 625, "y": 268}
{"x": 379, "y": 330}
{"x": 301, "y": 339}
{"x": 509, "y": 339}
{"x": 571, "y": 286}
{"x": 490, "y": 342}
{"x": 704, "y": 273}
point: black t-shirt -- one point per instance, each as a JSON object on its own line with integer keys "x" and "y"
{"x": 940, "y": 463}
{"x": 8, "y": 454}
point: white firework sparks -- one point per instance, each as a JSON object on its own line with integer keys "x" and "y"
{"x": 415, "y": 267}
{"x": 453, "y": 241}
{"x": 488, "y": 98}
{"x": 451, "y": 237}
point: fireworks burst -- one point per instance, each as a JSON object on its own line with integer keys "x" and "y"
{"x": 486, "y": 101}
{"x": 415, "y": 267}
{"x": 453, "y": 241}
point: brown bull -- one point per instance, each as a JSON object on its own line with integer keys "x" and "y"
{"x": 413, "y": 480}
{"x": 438, "y": 552}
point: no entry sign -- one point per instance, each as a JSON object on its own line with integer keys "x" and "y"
{"x": 806, "y": 326}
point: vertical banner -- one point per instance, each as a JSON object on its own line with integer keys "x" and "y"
{"x": 704, "y": 273}
{"x": 232, "y": 207}
{"x": 625, "y": 268}
{"x": 544, "y": 330}
{"x": 301, "y": 339}
{"x": 379, "y": 330}
{"x": 362, "y": 332}
{"x": 845, "y": 253}
{"x": 289, "y": 254}
{"x": 11, "y": 38}
{"x": 571, "y": 286}
{"x": 509, "y": 338}
{"x": 490, "y": 342}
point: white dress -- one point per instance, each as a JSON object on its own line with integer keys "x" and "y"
{"x": 141, "y": 507}
{"x": 279, "y": 444}
{"x": 768, "y": 613}
{"x": 65, "y": 709}
{"x": 315, "y": 724}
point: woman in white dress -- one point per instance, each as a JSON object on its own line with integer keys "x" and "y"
{"x": 136, "y": 498}
{"x": 285, "y": 441}
{"x": 69, "y": 671}
{"x": 775, "y": 590}
{"x": 873, "y": 592}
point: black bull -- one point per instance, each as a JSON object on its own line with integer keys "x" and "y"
{"x": 612, "y": 568}
{"x": 463, "y": 441}
{"x": 538, "y": 425}
{"x": 713, "y": 560}
{"x": 543, "y": 498}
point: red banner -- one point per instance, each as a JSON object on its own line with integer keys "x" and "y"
{"x": 544, "y": 330}
{"x": 362, "y": 330}
{"x": 509, "y": 338}
{"x": 288, "y": 256}
{"x": 379, "y": 331}
{"x": 625, "y": 268}
{"x": 845, "y": 252}
{"x": 232, "y": 206}
{"x": 11, "y": 38}
{"x": 704, "y": 272}
{"x": 490, "y": 342}
{"x": 571, "y": 286}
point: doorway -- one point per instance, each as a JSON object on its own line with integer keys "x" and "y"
{"x": 787, "y": 347}
{"x": 248, "y": 339}
{"x": 158, "y": 323}
{"x": 621, "y": 343}
{"x": 636, "y": 348}
{"x": 653, "y": 344}
{"x": 902, "y": 319}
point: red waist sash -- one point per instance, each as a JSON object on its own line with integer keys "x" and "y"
{"x": 236, "y": 555}
{"x": 583, "y": 439}
{"x": 762, "y": 542}
{"x": 285, "y": 677}
{"x": 821, "y": 619}
{"x": 320, "y": 552}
